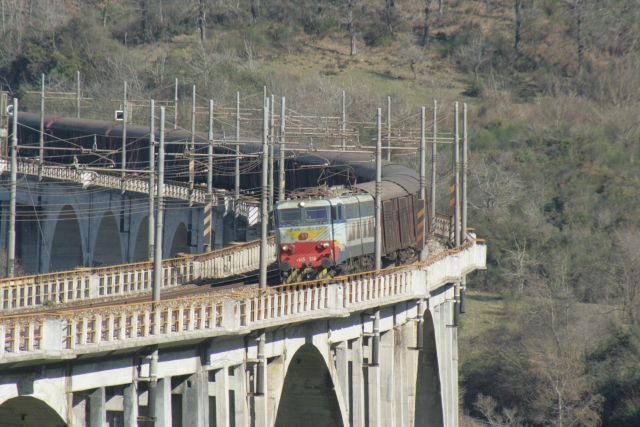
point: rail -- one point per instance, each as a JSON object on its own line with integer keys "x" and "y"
{"x": 84, "y": 330}
{"x": 127, "y": 279}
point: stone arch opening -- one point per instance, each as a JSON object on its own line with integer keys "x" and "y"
{"x": 180, "y": 242}
{"x": 141, "y": 251}
{"x": 66, "y": 247}
{"x": 107, "y": 250}
{"x": 428, "y": 409}
{"x": 27, "y": 411}
{"x": 308, "y": 395}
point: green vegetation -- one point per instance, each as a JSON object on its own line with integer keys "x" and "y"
{"x": 553, "y": 336}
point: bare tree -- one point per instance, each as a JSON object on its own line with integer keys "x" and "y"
{"x": 412, "y": 55}
{"x": 626, "y": 273}
{"x": 488, "y": 407}
{"x": 576, "y": 7}
{"x": 351, "y": 27}
{"x": 144, "y": 20}
{"x": 518, "y": 35}
{"x": 389, "y": 14}
{"x": 495, "y": 187}
{"x": 202, "y": 10}
{"x": 425, "y": 28}
{"x": 254, "y": 5}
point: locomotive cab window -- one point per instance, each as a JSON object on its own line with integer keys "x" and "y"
{"x": 317, "y": 215}
{"x": 289, "y": 217}
{"x": 367, "y": 209}
{"x": 337, "y": 212}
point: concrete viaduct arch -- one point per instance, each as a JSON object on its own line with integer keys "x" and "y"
{"x": 107, "y": 248}
{"x": 66, "y": 247}
{"x": 61, "y": 228}
{"x": 28, "y": 411}
{"x": 179, "y": 240}
{"x": 141, "y": 244}
{"x": 428, "y": 406}
{"x": 308, "y": 395}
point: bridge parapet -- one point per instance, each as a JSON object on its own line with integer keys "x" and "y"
{"x": 128, "y": 279}
{"x": 69, "y": 333}
{"x": 87, "y": 178}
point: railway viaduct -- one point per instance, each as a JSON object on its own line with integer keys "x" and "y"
{"x": 60, "y": 226}
{"x": 371, "y": 349}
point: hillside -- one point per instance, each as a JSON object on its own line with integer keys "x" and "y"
{"x": 554, "y": 95}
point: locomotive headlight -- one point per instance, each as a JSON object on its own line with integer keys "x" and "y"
{"x": 286, "y": 248}
{"x": 323, "y": 245}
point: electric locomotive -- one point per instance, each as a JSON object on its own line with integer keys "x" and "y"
{"x": 326, "y": 236}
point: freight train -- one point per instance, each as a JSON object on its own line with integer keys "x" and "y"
{"x": 317, "y": 236}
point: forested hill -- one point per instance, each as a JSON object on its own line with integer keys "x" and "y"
{"x": 552, "y": 336}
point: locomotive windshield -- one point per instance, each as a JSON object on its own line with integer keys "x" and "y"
{"x": 303, "y": 216}
{"x": 289, "y": 217}
{"x": 317, "y": 215}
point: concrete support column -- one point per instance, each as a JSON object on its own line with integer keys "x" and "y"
{"x": 222, "y": 397}
{"x": 260, "y": 410}
{"x": 163, "y": 403}
{"x": 130, "y": 403}
{"x": 357, "y": 384}
{"x": 97, "y": 408}
{"x": 78, "y": 416}
{"x": 387, "y": 405}
{"x": 447, "y": 352}
{"x": 400, "y": 378}
{"x": 195, "y": 400}
{"x": 374, "y": 410}
{"x": 239, "y": 385}
{"x": 342, "y": 375}
{"x": 411, "y": 373}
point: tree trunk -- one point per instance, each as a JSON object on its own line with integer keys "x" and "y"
{"x": 104, "y": 12}
{"x": 351, "y": 27}
{"x": 425, "y": 29}
{"x": 254, "y": 10}
{"x": 518, "y": 34}
{"x": 579, "y": 41}
{"x": 4, "y": 28}
{"x": 144, "y": 20}
{"x": 389, "y": 12}
{"x": 202, "y": 7}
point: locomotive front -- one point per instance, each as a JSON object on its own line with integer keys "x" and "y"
{"x": 306, "y": 244}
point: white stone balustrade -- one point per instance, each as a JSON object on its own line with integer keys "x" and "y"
{"x": 127, "y": 279}
{"x": 90, "y": 178}
{"x": 85, "y": 330}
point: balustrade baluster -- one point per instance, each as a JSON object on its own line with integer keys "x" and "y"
{"x": 29, "y": 336}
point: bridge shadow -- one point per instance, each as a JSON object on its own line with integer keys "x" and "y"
{"x": 308, "y": 395}
{"x": 428, "y": 405}
{"x": 27, "y": 411}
